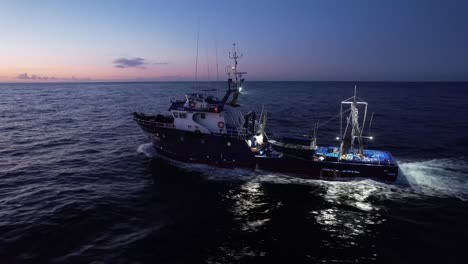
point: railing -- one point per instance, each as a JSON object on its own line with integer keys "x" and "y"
{"x": 153, "y": 123}
{"x": 241, "y": 118}
{"x": 232, "y": 133}
{"x": 237, "y": 122}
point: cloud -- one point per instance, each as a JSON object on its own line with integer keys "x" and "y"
{"x": 26, "y": 76}
{"x": 23, "y": 76}
{"x": 165, "y": 78}
{"x": 130, "y": 63}
{"x": 161, "y": 63}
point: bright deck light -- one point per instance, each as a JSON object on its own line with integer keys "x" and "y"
{"x": 337, "y": 138}
{"x": 240, "y": 89}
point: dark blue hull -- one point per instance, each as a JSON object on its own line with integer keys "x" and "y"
{"x": 300, "y": 158}
{"x": 186, "y": 146}
{"x": 327, "y": 169}
{"x": 224, "y": 150}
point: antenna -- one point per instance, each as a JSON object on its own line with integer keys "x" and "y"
{"x": 235, "y": 85}
{"x": 217, "y": 69}
{"x": 196, "y": 59}
{"x": 208, "y": 64}
{"x": 234, "y": 57}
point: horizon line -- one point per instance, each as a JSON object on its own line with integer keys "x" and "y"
{"x": 193, "y": 81}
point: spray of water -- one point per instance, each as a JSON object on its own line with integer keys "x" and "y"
{"x": 440, "y": 177}
{"x": 148, "y": 150}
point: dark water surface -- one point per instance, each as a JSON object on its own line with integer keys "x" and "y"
{"x": 80, "y": 184}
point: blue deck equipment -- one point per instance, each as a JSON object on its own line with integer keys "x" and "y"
{"x": 370, "y": 156}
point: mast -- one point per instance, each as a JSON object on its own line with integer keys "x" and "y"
{"x": 352, "y": 129}
{"x": 234, "y": 86}
{"x": 313, "y": 142}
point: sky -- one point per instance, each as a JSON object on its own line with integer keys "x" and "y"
{"x": 330, "y": 40}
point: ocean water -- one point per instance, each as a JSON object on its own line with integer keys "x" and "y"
{"x": 80, "y": 184}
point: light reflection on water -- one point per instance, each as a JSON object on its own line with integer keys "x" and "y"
{"x": 354, "y": 194}
{"x": 352, "y": 215}
{"x": 251, "y": 207}
{"x": 250, "y": 212}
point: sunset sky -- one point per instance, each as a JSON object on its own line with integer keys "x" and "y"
{"x": 281, "y": 40}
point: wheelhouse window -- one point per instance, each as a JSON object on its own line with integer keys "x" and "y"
{"x": 182, "y": 115}
{"x": 176, "y": 114}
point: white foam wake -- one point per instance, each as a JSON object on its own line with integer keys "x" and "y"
{"x": 148, "y": 150}
{"x": 440, "y": 177}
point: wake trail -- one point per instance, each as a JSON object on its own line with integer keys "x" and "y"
{"x": 438, "y": 177}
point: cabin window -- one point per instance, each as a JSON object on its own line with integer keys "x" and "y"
{"x": 203, "y": 116}
{"x": 182, "y": 115}
{"x": 176, "y": 114}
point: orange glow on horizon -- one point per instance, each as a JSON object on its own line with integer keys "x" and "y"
{"x": 90, "y": 73}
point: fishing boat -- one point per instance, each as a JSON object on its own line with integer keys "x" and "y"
{"x": 350, "y": 159}
{"x": 205, "y": 129}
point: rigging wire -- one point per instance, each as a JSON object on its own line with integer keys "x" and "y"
{"x": 217, "y": 69}
{"x": 208, "y": 64}
{"x": 370, "y": 123}
{"x": 338, "y": 115}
